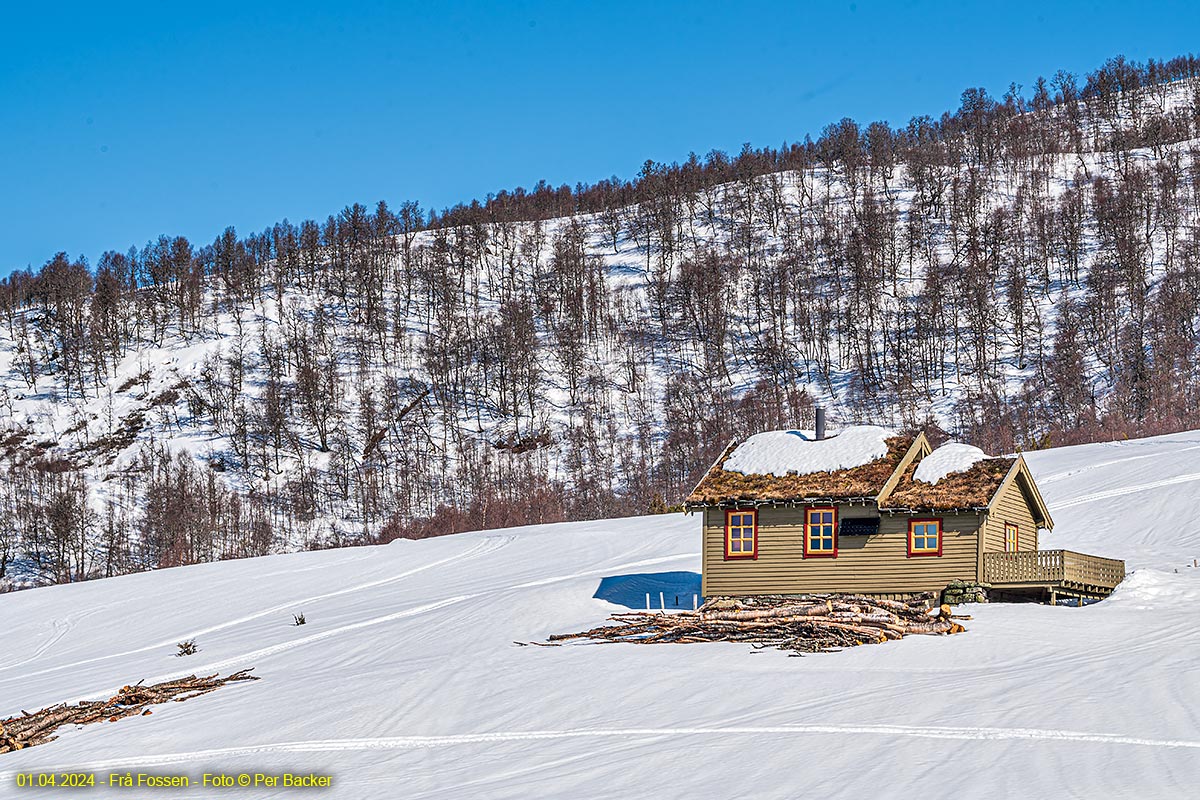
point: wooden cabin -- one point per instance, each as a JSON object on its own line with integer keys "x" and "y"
{"x": 877, "y": 528}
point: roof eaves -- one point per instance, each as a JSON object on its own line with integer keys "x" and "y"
{"x": 792, "y": 501}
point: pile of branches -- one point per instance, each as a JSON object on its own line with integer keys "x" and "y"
{"x": 39, "y": 727}
{"x": 804, "y": 624}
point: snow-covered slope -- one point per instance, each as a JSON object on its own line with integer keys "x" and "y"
{"x": 406, "y": 682}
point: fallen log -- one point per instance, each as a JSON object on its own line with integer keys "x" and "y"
{"x": 810, "y": 610}
{"x": 39, "y": 727}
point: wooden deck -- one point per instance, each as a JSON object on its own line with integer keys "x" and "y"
{"x": 1051, "y": 574}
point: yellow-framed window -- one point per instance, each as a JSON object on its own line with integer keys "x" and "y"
{"x": 1012, "y": 538}
{"x": 820, "y": 532}
{"x": 741, "y": 533}
{"x": 925, "y": 537}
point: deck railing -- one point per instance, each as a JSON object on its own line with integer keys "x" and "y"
{"x": 1052, "y": 566}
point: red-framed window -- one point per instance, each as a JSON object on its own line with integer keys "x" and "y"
{"x": 925, "y": 537}
{"x": 820, "y": 532}
{"x": 741, "y": 533}
{"x": 1012, "y": 538}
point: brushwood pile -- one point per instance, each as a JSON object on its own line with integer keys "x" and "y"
{"x": 799, "y": 624}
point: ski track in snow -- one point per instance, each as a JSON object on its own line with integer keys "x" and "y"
{"x": 502, "y": 737}
{"x": 487, "y": 545}
{"x": 1070, "y": 473}
{"x": 647, "y": 562}
{"x": 1123, "y": 490}
{"x": 61, "y": 629}
{"x": 282, "y": 647}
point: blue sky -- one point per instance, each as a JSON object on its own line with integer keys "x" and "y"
{"x": 119, "y": 122}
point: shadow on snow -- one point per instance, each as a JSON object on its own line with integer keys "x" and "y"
{"x": 676, "y": 589}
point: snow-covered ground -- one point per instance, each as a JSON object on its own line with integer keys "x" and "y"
{"x": 405, "y": 681}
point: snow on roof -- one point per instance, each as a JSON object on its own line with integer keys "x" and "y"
{"x": 780, "y": 453}
{"x": 950, "y": 457}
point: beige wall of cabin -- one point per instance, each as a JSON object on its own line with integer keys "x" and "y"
{"x": 1010, "y": 505}
{"x": 864, "y": 564}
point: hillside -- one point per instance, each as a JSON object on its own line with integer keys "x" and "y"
{"x": 406, "y": 674}
{"x": 1020, "y": 272}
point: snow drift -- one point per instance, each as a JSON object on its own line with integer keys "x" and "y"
{"x": 950, "y": 457}
{"x": 782, "y": 452}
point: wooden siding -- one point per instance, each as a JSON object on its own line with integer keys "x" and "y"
{"x": 1010, "y": 505}
{"x": 876, "y": 564}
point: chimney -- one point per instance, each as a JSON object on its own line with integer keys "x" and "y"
{"x": 820, "y": 423}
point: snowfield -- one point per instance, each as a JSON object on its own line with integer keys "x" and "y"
{"x": 405, "y": 681}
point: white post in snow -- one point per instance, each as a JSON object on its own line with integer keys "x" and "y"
{"x": 693, "y": 602}
{"x": 647, "y": 601}
{"x": 662, "y": 604}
